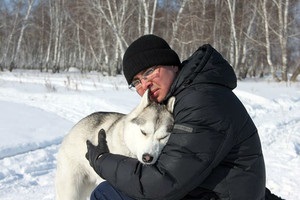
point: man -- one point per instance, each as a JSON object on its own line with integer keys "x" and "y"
{"x": 214, "y": 151}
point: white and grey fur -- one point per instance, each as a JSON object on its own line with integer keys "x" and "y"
{"x": 140, "y": 134}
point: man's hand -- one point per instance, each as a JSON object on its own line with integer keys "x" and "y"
{"x": 94, "y": 152}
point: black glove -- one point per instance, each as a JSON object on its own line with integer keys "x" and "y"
{"x": 94, "y": 152}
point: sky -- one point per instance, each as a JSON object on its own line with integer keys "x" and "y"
{"x": 38, "y": 109}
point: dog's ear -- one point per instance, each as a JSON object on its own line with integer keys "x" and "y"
{"x": 145, "y": 101}
{"x": 170, "y": 104}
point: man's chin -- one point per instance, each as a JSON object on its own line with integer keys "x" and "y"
{"x": 155, "y": 96}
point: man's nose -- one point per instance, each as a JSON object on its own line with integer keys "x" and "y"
{"x": 145, "y": 84}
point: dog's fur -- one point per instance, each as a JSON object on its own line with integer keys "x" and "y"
{"x": 140, "y": 134}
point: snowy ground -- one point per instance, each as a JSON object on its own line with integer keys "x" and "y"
{"x": 38, "y": 109}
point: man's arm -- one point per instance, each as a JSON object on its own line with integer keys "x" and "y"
{"x": 187, "y": 159}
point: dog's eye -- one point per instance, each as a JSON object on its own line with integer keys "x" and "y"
{"x": 163, "y": 137}
{"x": 144, "y": 133}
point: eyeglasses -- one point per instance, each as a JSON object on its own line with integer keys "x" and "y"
{"x": 147, "y": 76}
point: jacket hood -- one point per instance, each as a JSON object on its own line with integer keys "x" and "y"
{"x": 207, "y": 66}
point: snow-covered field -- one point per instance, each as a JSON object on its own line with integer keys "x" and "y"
{"x": 38, "y": 109}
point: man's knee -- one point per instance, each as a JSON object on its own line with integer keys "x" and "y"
{"x": 105, "y": 191}
{"x": 99, "y": 191}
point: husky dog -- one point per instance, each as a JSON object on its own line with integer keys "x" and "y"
{"x": 140, "y": 134}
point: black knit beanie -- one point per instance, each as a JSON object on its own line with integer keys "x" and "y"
{"x": 145, "y": 52}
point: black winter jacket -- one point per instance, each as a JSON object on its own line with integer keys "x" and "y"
{"x": 214, "y": 144}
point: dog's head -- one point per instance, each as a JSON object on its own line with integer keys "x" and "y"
{"x": 148, "y": 128}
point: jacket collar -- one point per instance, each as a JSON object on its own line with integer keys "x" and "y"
{"x": 205, "y": 65}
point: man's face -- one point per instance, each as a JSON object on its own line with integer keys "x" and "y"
{"x": 158, "y": 81}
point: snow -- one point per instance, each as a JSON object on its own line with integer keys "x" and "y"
{"x": 38, "y": 109}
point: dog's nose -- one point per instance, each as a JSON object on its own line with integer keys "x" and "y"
{"x": 147, "y": 158}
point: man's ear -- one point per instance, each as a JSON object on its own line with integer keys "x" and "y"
{"x": 175, "y": 68}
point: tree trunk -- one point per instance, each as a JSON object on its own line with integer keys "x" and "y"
{"x": 295, "y": 74}
{"x": 9, "y": 41}
{"x": 267, "y": 37}
{"x": 176, "y": 23}
{"x": 234, "y": 55}
{"x": 244, "y": 67}
{"x": 216, "y": 26}
{"x": 23, "y": 26}
{"x": 283, "y": 28}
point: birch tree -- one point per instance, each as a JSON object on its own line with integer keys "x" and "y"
{"x": 282, "y": 6}
{"x": 149, "y": 18}
{"x": 176, "y": 23}
{"x": 234, "y": 45}
{"x": 267, "y": 38}
{"x": 49, "y": 45}
{"x": 216, "y": 24}
{"x": 115, "y": 15}
{"x": 9, "y": 40}
{"x": 93, "y": 34}
{"x": 23, "y": 26}
{"x": 243, "y": 71}
{"x": 57, "y": 21}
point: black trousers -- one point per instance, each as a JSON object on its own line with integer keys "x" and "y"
{"x": 105, "y": 191}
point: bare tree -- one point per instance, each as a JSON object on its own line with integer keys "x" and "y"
{"x": 176, "y": 23}
{"x": 283, "y": 34}
{"x": 234, "y": 46}
{"x": 57, "y": 23}
{"x": 259, "y": 36}
{"x": 217, "y": 23}
{"x": 267, "y": 38}
{"x": 149, "y": 18}
{"x": 115, "y": 15}
{"x": 9, "y": 40}
{"x": 245, "y": 41}
{"x": 23, "y": 26}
